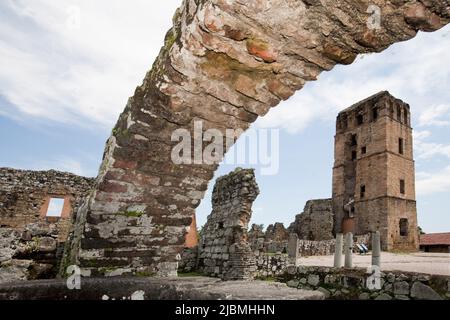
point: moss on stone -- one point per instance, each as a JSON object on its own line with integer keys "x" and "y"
{"x": 145, "y": 274}
{"x": 105, "y": 270}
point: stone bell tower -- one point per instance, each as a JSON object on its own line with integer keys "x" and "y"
{"x": 373, "y": 174}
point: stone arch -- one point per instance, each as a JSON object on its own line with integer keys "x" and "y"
{"x": 224, "y": 63}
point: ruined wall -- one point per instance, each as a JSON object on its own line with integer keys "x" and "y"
{"x": 29, "y": 253}
{"x": 316, "y": 222}
{"x": 307, "y": 248}
{"x": 271, "y": 264}
{"x": 32, "y": 243}
{"x": 374, "y": 139}
{"x": 224, "y": 248}
{"x": 223, "y": 64}
{"x": 25, "y": 196}
{"x": 273, "y": 240}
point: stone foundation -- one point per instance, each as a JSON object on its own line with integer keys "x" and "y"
{"x": 29, "y": 254}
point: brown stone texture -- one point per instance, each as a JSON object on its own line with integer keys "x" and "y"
{"x": 223, "y": 63}
{"x": 273, "y": 240}
{"x": 224, "y": 248}
{"x": 369, "y": 165}
{"x": 25, "y": 196}
{"x": 29, "y": 253}
{"x": 315, "y": 222}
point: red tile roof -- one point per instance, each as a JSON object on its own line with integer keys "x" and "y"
{"x": 435, "y": 239}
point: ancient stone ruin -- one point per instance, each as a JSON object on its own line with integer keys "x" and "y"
{"x": 373, "y": 174}
{"x": 224, "y": 248}
{"x": 223, "y": 64}
{"x": 316, "y": 222}
{"x": 32, "y": 236}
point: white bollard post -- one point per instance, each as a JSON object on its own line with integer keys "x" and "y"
{"x": 376, "y": 249}
{"x": 338, "y": 250}
{"x": 349, "y": 250}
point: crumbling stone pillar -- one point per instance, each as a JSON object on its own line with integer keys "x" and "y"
{"x": 224, "y": 63}
{"x": 224, "y": 248}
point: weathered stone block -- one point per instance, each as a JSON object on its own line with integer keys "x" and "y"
{"x": 421, "y": 291}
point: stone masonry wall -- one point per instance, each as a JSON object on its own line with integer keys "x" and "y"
{"x": 29, "y": 253}
{"x": 308, "y": 248}
{"x": 354, "y": 284}
{"x": 271, "y": 264}
{"x": 224, "y": 248}
{"x": 373, "y": 158}
{"x": 315, "y": 222}
{"x": 273, "y": 240}
{"x": 32, "y": 244}
{"x": 25, "y": 195}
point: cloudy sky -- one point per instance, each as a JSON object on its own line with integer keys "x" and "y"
{"x": 67, "y": 69}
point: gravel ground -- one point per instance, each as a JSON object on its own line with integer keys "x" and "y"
{"x": 431, "y": 263}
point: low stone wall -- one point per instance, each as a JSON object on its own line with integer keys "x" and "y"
{"x": 33, "y": 253}
{"x": 271, "y": 265}
{"x": 354, "y": 284}
{"x": 308, "y": 248}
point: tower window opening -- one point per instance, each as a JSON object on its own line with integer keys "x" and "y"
{"x": 374, "y": 114}
{"x": 360, "y": 119}
{"x": 402, "y": 186}
{"x": 403, "y": 226}
{"x": 354, "y": 141}
{"x": 400, "y": 145}
{"x": 364, "y": 150}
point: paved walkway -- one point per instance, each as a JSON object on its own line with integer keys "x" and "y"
{"x": 431, "y": 263}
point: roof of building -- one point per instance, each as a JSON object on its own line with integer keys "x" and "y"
{"x": 431, "y": 239}
{"x": 372, "y": 97}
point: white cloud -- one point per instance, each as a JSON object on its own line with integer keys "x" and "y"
{"x": 430, "y": 183}
{"x": 51, "y": 69}
{"x": 427, "y": 150}
{"x": 435, "y": 116}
